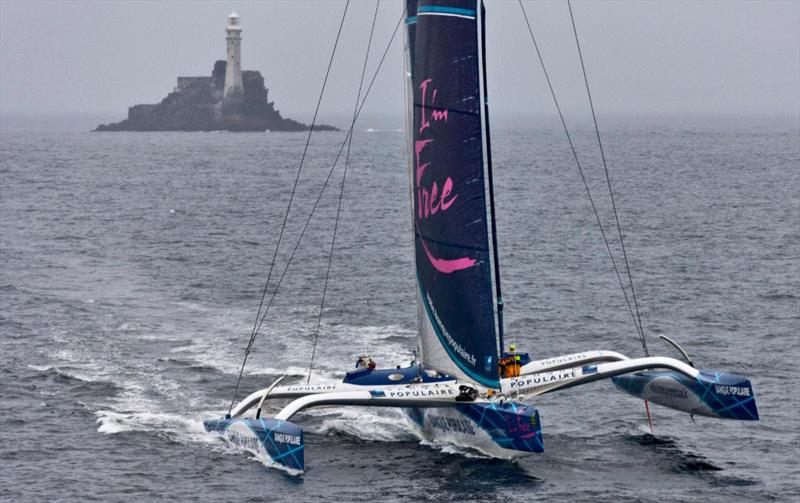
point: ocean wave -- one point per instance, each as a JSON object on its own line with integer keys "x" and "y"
{"x": 777, "y": 295}
{"x": 85, "y": 374}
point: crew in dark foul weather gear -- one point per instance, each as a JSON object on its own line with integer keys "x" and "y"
{"x": 371, "y": 364}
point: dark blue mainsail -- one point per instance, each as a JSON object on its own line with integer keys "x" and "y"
{"x": 450, "y": 171}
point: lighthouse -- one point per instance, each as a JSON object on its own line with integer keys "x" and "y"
{"x": 233, "y": 70}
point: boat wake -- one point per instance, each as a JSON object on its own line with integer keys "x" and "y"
{"x": 169, "y": 395}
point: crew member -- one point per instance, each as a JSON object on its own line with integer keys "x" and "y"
{"x": 510, "y": 362}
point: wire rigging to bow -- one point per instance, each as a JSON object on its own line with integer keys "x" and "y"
{"x": 259, "y": 317}
{"x": 608, "y": 182}
{"x": 634, "y": 315}
{"x": 341, "y": 192}
{"x": 319, "y": 197}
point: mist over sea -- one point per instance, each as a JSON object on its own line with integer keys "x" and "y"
{"x": 131, "y": 267}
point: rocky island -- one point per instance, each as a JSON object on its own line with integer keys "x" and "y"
{"x": 229, "y": 100}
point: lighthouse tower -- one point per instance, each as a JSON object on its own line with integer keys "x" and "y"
{"x": 233, "y": 70}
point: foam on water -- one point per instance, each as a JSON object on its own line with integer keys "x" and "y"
{"x": 179, "y": 427}
{"x": 459, "y": 450}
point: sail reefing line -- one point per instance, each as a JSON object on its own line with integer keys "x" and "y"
{"x": 259, "y": 318}
{"x": 341, "y": 191}
{"x": 636, "y": 324}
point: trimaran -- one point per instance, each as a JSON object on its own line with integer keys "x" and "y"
{"x": 465, "y": 388}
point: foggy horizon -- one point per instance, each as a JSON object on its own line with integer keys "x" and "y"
{"x": 706, "y": 59}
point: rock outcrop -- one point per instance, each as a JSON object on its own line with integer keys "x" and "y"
{"x": 197, "y": 104}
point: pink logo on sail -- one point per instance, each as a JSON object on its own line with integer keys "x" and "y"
{"x": 448, "y": 266}
{"x": 434, "y": 198}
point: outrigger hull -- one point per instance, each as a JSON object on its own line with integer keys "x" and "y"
{"x": 710, "y": 393}
{"x": 275, "y": 442}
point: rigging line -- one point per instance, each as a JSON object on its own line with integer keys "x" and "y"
{"x": 319, "y": 196}
{"x": 330, "y": 172}
{"x": 288, "y": 209}
{"x": 341, "y": 193}
{"x": 580, "y": 169}
{"x": 335, "y": 161}
{"x": 608, "y": 182}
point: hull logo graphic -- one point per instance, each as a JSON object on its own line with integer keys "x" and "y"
{"x": 283, "y": 438}
{"x": 449, "y": 424}
{"x": 731, "y": 390}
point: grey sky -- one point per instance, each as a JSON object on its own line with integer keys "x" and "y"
{"x": 642, "y": 57}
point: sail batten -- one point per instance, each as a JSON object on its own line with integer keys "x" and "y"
{"x": 451, "y": 193}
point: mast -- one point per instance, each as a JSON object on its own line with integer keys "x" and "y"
{"x": 490, "y": 178}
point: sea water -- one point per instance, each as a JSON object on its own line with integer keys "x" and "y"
{"x": 132, "y": 265}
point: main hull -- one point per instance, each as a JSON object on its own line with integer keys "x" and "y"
{"x": 505, "y": 431}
